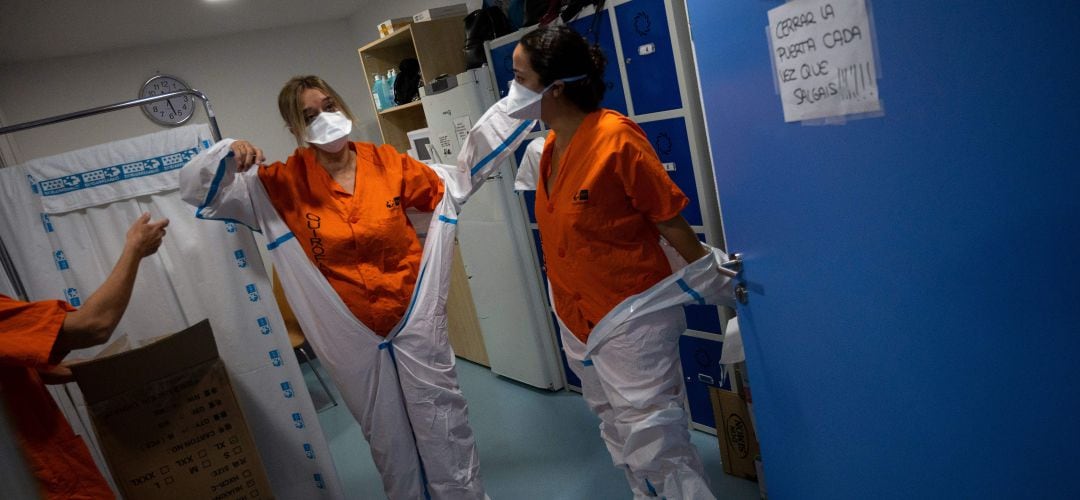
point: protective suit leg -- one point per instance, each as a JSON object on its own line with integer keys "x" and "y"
{"x": 363, "y": 372}
{"x": 640, "y": 399}
{"x": 438, "y": 411}
{"x": 593, "y": 393}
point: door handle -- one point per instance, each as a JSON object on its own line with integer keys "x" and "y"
{"x": 732, "y": 268}
{"x": 734, "y": 262}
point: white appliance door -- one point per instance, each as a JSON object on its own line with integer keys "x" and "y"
{"x": 496, "y": 248}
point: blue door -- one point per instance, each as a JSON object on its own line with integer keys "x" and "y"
{"x": 913, "y": 322}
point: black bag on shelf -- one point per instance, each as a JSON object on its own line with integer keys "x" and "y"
{"x": 408, "y": 82}
{"x": 481, "y": 25}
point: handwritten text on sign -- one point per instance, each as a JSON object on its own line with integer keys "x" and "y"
{"x": 824, "y": 58}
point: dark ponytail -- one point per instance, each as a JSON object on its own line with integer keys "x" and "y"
{"x": 557, "y": 52}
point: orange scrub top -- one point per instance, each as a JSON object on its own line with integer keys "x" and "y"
{"x": 57, "y": 457}
{"x": 362, "y": 242}
{"x": 598, "y": 218}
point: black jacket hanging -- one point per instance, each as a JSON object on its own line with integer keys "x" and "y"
{"x": 481, "y": 25}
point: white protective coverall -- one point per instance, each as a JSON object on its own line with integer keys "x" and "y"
{"x": 631, "y": 378}
{"x": 409, "y": 375}
{"x": 630, "y": 371}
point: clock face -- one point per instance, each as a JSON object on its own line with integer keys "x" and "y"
{"x": 172, "y": 111}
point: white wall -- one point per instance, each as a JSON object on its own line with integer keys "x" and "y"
{"x": 241, "y": 74}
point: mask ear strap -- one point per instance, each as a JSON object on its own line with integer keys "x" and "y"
{"x": 564, "y": 81}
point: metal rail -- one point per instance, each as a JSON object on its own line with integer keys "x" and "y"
{"x": 5, "y": 258}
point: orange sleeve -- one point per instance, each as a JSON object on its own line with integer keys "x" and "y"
{"x": 421, "y": 187}
{"x": 647, "y": 184}
{"x": 28, "y": 330}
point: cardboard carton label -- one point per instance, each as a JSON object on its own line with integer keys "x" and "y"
{"x": 169, "y": 424}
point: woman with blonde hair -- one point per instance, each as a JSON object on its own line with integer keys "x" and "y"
{"x": 369, "y": 297}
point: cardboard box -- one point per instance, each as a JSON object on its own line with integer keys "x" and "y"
{"x": 389, "y": 26}
{"x": 440, "y": 12}
{"x": 168, "y": 422}
{"x": 734, "y": 431}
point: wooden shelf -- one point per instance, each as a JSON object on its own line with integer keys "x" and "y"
{"x": 400, "y": 107}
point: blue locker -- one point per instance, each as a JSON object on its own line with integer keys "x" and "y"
{"x": 540, "y": 258}
{"x": 703, "y": 318}
{"x": 530, "y": 196}
{"x": 669, "y": 139}
{"x": 502, "y": 64}
{"x": 530, "y": 204}
{"x": 614, "y": 97}
{"x": 654, "y": 85}
{"x": 701, "y": 367}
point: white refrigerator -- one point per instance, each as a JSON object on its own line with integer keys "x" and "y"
{"x": 496, "y": 245}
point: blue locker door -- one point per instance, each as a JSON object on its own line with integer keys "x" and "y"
{"x": 614, "y": 97}
{"x": 701, "y": 368}
{"x": 912, "y": 327}
{"x": 653, "y": 82}
{"x": 502, "y": 64}
{"x": 669, "y": 139}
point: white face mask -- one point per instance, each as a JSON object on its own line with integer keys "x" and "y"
{"x": 329, "y": 131}
{"x": 524, "y": 104}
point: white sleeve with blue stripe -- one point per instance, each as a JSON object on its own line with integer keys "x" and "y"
{"x": 493, "y": 138}
{"x": 211, "y": 183}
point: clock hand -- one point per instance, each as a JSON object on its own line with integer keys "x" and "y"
{"x": 169, "y": 102}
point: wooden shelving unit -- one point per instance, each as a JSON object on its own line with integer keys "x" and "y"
{"x": 436, "y": 45}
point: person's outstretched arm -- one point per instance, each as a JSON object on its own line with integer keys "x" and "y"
{"x": 95, "y": 321}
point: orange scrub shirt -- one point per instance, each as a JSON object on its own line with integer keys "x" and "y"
{"x": 598, "y": 218}
{"x": 362, "y": 242}
{"x": 57, "y": 457}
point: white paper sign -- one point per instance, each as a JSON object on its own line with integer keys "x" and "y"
{"x": 445, "y": 146}
{"x": 824, "y": 58}
{"x": 462, "y": 126}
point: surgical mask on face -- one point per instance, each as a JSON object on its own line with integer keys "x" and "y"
{"x": 329, "y": 131}
{"x": 524, "y": 104}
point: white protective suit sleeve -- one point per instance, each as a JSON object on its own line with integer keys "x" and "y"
{"x": 493, "y": 138}
{"x": 217, "y": 190}
{"x": 529, "y": 169}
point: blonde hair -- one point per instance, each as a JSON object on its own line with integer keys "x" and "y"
{"x": 292, "y": 110}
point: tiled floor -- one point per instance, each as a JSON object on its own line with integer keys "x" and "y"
{"x": 533, "y": 445}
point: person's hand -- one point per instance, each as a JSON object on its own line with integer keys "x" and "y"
{"x": 55, "y": 374}
{"x": 246, "y": 155}
{"x": 144, "y": 237}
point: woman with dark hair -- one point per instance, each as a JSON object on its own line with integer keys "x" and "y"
{"x": 603, "y": 203}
